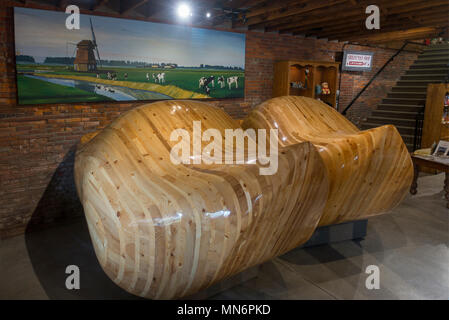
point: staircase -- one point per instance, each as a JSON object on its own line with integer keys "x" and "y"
{"x": 407, "y": 99}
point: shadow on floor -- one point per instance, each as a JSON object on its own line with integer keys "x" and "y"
{"x": 66, "y": 242}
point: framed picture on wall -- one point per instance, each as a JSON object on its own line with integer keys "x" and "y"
{"x": 112, "y": 59}
{"x": 357, "y": 61}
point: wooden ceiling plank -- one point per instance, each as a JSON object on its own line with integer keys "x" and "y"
{"x": 131, "y": 5}
{"x": 330, "y": 12}
{"x": 348, "y": 15}
{"x": 61, "y": 3}
{"x": 243, "y": 4}
{"x": 395, "y": 35}
{"x": 152, "y": 9}
{"x": 98, "y": 3}
{"x": 340, "y": 13}
{"x": 340, "y": 36}
{"x": 426, "y": 17}
{"x": 296, "y": 10}
{"x": 324, "y": 29}
{"x": 237, "y": 7}
{"x": 272, "y": 6}
{"x": 355, "y": 29}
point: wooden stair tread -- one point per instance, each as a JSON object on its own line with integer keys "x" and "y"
{"x": 425, "y": 75}
{"x": 395, "y": 112}
{"x": 400, "y": 105}
{"x": 423, "y": 81}
{"x": 414, "y": 99}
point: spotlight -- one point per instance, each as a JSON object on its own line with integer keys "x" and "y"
{"x": 208, "y": 15}
{"x": 184, "y": 10}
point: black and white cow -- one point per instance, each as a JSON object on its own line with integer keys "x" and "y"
{"x": 233, "y": 79}
{"x": 159, "y": 77}
{"x": 221, "y": 81}
{"x": 201, "y": 82}
{"x": 204, "y": 83}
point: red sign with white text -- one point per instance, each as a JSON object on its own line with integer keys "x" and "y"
{"x": 358, "y": 60}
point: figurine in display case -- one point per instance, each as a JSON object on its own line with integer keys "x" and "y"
{"x": 306, "y": 78}
{"x": 325, "y": 88}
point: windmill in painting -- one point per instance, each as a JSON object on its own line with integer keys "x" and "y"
{"x": 85, "y": 54}
{"x": 139, "y": 60}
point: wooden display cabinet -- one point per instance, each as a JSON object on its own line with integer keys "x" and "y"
{"x": 287, "y": 73}
{"x": 433, "y": 128}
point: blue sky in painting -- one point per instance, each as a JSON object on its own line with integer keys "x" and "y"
{"x": 42, "y": 33}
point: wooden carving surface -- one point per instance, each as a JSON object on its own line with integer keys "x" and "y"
{"x": 369, "y": 171}
{"x": 162, "y": 230}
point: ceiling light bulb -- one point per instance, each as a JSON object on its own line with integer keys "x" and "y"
{"x": 208, "y": 15}
{"x": 184, "y": 10}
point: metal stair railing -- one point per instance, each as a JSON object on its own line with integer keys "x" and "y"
{"x": 375, "y": 76}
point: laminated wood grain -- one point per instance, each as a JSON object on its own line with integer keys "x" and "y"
{"x": 370, "y": 171}
{"x": 164, "y": 231}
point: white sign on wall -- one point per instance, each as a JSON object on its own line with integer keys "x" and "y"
{"x": 357, "y": 61}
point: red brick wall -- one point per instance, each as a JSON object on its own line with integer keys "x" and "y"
{"x": 37, "y": 143}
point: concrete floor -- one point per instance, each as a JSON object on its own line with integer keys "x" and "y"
{"x": 410, "y": 247}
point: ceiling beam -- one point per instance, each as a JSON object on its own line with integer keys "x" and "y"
{"x": 62, "y": 3}
{"x": 349, "y": 14}
{"x": 343, "y": 12}
{"x": 417, "y": 33}
{"x": 267, "y": 7}
{"x": 151, "y": 9}
{"x": 246, "y": 4}
{"x": 329, "y": 12}
{"x": 385, "y": 21}
{"x": 432, "y": 23}
{"x": 130, "y": 5}
{"x": 359, "y": 24}
{"x": 241, "y": 5}
{"x": 300, "y": 8}
{"x": 98, "y": 3}
{"x": 357, "y": 29}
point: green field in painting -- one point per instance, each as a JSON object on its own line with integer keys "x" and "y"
{"x": 34, "y": 91}
{"x": 184, "y": 78}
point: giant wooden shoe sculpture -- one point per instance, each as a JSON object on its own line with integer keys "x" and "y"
{"x": 162, "y": 230}
{"x": 369, "y": 172}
